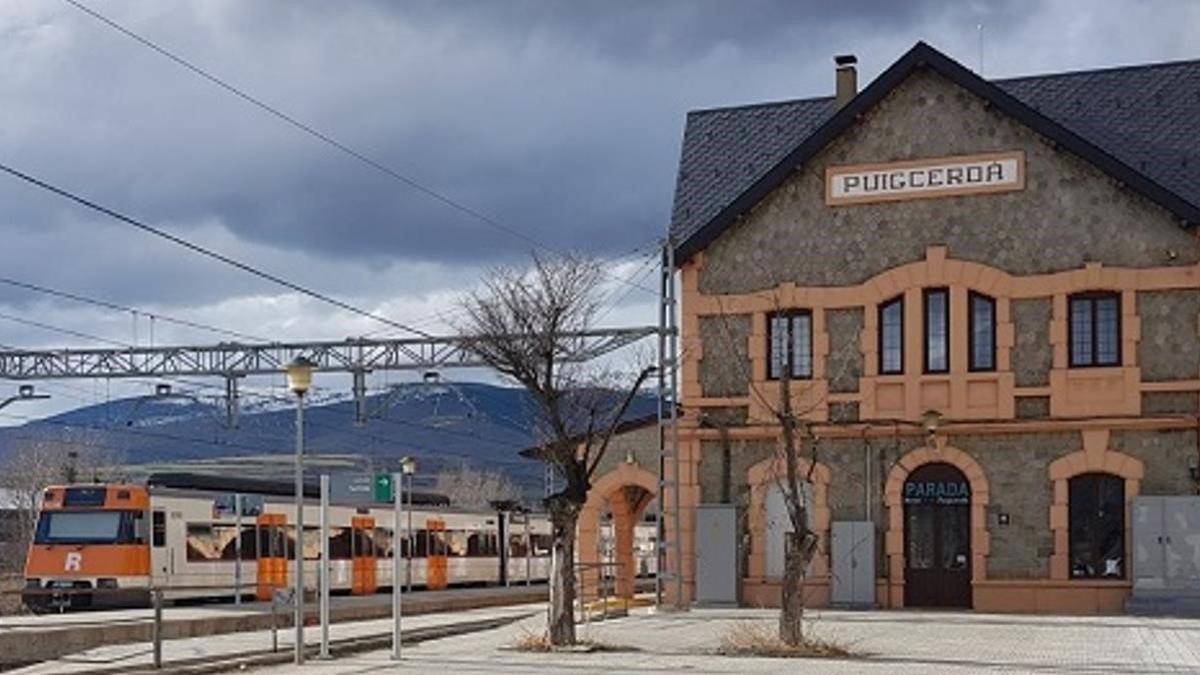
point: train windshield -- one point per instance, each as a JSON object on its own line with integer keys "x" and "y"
{"x": 87, "y": 527}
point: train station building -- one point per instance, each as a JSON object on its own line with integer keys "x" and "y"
{"x": 986, "y": 295}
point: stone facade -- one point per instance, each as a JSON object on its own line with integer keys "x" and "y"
{"x": 1032, "y": 355}
{"x": 1018, "y": 431}
{"x": 1069, "y": 214}
{"x": 1169, "y": 348}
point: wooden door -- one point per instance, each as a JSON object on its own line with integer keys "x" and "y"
{"x": 937, "y": 538}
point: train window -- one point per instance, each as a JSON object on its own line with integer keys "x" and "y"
{"x": 202, "y": 544}
{"x": 383, "y": 542}
{"x": 542, "y": 544}
{"x": 158, "y": 528}
{"x": 456, "y": 543}
{"x": 339, "y": 543}
{"x": 249, "y": 544}
{"x": 421, "y": 544}
{"x": 437, "y": 542}
{"x": 86, "y": 527}
{"x": 516, "y": 546}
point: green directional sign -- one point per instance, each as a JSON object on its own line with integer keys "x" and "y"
{"x": 384, "y": 490}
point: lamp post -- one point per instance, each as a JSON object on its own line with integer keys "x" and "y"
{"x": 408, "y": 467}
{"x": 24, "y": 393}
{"x": 299, "y": 376}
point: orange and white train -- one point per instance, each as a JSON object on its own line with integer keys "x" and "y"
{"x": 108, "y": 545}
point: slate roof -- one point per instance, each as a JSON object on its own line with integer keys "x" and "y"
{"x": 1139, "y": 123}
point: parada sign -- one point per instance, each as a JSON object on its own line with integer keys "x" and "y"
{"x": 925, "y": 178}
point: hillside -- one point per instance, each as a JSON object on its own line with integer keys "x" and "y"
{"x": 439, "y": 424}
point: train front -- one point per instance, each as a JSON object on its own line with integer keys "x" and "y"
{"x": 90, "y": 548}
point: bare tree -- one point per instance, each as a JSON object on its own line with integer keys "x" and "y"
{"x": 523, "y": 324}
{"x": 800, "y": 544}
{"x": 475, "y": 489}
{"x": 34, "y": 462}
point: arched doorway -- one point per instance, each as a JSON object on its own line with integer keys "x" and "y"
{"x": 937, "y": 537}
{"x": 608, "y": 528}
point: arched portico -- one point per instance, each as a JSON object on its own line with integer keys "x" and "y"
{"x": 626, "y": 491}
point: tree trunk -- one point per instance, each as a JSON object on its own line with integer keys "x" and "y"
{"x": 799, "y": 548}
{"x": 561, "y": 620}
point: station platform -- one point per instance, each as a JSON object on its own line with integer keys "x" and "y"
{"x": 31, "y": 639}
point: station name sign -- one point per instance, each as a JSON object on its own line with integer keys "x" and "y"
{"x": 941, "y": 492}
{"x": 925, "y": 178}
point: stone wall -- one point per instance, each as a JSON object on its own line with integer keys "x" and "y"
{"x": 725, "y": 366}
{"x": 1069, "y": 213}
{"x": 1169, "y": 348}
{"x": 844, "y": 364}
{"x": 1165, "y": 455}
{"x": 1017, "y": 471}
{"x": 1032, "y": 355}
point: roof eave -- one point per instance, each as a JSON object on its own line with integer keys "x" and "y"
{"x": 922, "y": 55}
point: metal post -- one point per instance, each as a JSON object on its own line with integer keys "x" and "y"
{"x": 323, "y": 579}
{"x": 237, "y": 550}
{"x": 661, "y": 374}
{"x": 299, "y": 547}
{"x": 673, "y": 417}
{"x": 409, "y": 536}
{"x": 528, "y": 553}
{"x": 397, "y": 606}
{"x": 158, "y": 603}
{"x": 274, "y": 621}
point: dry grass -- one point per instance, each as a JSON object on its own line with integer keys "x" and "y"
{"x": 539, "y": 642}
{"x": 749, "y": 638}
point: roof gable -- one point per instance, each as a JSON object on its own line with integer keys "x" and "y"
{"x": 734, "y": 157}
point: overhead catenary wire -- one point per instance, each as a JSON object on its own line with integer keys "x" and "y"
{"x": 204, "y": 251}
{"x": 76, "y": 297}
{"x": 316, "y": 133}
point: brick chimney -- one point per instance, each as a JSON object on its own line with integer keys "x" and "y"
{"x": 847, "y": 78}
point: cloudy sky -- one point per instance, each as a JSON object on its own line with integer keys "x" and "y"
{"x": 560, "y": 121}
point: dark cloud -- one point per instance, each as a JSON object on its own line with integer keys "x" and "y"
{"x": 558, "y": 119}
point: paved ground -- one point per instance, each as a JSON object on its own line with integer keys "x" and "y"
{"x": 117, "y": 658}
{"x": 927, "y": 643}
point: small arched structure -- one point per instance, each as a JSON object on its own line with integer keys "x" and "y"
{"x": 626, "y": 491}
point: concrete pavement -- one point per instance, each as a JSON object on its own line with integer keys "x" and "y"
{"x": 205, "y": 652}
{"x": 901, "y": 642}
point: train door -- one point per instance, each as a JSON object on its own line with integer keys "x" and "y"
{"x": 435, "y": 561}
{"x": 363, "y": 555}
{"x": 272, "y": 554}
{"x": 160, "y": 553}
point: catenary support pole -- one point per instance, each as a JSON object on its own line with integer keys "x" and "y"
{"x": 323, "y": 578}
{"x": 237, "y": 550}
{"x": 298, "y": 599}
{"x": 397, "y": 588}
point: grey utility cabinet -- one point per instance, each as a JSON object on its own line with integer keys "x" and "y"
{"x": 852, "y": 555}
{"x": 716, "y": 554}
{"x": 1166, "y": 554}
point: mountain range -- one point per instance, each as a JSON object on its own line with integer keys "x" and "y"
{"x": 441, "y": 425}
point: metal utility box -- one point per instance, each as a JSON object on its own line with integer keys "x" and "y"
{"x": 1166, "y": 543}
{"x": 852, "y": 556}
{"x": 716, "y": 554}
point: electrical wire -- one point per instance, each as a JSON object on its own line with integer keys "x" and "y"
{"x": 207, "y": 252}
{"x": 125, "y": 308}
{"x": 312, "y": 131}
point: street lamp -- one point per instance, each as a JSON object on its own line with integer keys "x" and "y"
{"x": 299, "y": 377}
{"x": 408, "y": 467}
{"x": 25, "y": 392}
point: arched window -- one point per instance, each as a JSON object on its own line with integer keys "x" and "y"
{"x": 1097, "y": 526}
